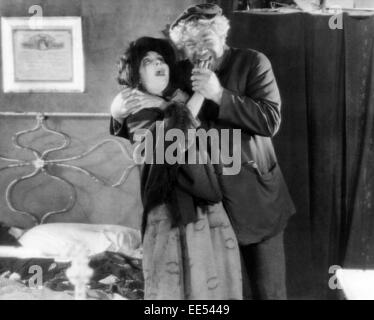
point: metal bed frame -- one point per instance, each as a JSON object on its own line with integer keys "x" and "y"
{"x": 41, "y": 162}
{"x": 79, "y": 273}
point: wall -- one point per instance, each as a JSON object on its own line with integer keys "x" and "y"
{"x": 364, "y": 4}
{"x": 108, "y": 26}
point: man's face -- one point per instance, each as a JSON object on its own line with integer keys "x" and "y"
{"x": 204, "y": 45}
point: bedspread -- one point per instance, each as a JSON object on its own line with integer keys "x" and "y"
{"x": 115, "y": 276}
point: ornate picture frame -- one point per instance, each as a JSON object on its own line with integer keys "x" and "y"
{"x": 42, "y": 54}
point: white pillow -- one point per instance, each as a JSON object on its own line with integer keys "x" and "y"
{"x": 58, "y": 239}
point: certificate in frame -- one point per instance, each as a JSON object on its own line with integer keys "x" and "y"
{"x": 42, "y": 54}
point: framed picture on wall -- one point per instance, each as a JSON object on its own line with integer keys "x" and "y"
{"x": 42, "y": 54}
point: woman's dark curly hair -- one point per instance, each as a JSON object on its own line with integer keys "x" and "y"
{"x": 129, "y": 63}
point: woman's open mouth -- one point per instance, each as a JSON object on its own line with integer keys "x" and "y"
{"x": 160, "y": 73}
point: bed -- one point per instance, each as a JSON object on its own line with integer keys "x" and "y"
{"x": 60, "y": 252}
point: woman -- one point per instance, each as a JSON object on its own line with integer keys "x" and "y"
{"x": 189, "y": 248}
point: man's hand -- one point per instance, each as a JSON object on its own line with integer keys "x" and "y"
{"x": 205, "y": 82}
{"x": 133, "y": 100}
{"x": 130, "y": 101}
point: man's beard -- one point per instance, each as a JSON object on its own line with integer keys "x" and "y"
{"x": 203, "y": 62}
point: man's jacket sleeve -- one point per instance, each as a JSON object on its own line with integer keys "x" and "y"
{"x": 258, "y": 110}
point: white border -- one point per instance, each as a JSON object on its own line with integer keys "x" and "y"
{"x": 9, "y": 83}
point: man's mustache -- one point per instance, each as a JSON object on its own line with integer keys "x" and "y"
{"x": 202, "y": 62}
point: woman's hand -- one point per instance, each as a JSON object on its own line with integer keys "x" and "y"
{"x": 180, "y": 96}
{"x": 206, "y": 82}
{"x": 195, "y": 103}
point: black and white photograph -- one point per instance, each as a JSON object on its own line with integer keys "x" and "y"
{"x": 187, "y": 150}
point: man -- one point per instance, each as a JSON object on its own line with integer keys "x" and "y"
{"x": 240, "y": 92}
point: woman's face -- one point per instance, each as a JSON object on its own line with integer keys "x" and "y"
{"x": 154, "y": 73}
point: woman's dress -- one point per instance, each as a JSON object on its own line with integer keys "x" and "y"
{"x": 198, "y": 260}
